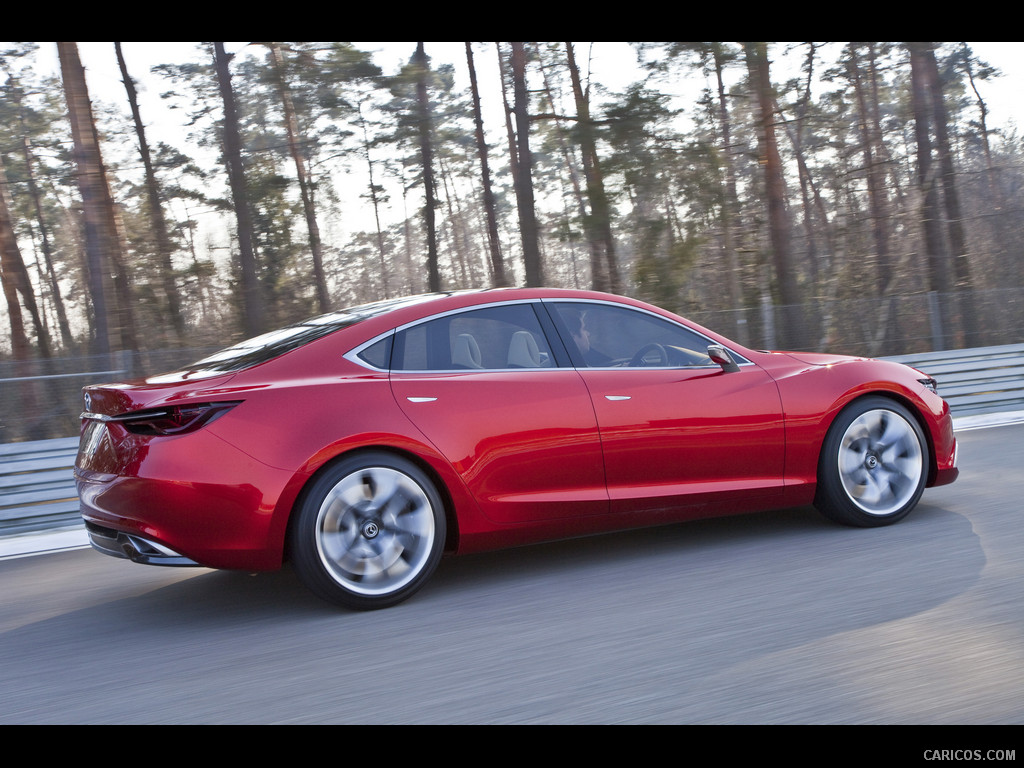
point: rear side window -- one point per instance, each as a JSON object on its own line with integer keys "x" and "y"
{"x": 260, "y": 349}
{"x": 378, "y": 355}
{"x": 493, "y": 338}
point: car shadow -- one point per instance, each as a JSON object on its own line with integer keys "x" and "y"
{"x": 790, "y": 551}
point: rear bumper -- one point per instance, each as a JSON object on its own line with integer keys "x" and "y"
{"x": 181, "y": 504}
{"x": 133, "y": 547}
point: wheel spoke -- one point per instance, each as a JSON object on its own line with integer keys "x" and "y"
{"x": 872, "y": 491}
{"x": 851, "y": 461}
{"x": 336, "y": 544}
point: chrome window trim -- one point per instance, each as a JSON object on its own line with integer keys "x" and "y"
{"x": 353, "y": 354}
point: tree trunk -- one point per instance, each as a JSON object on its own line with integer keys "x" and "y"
{"x": 877, "y": 152}
{"x": 870, "y": 133}
{"x": 305, "y": 182}
{"x": 957, "y": 237}
{"x": 498, "y": 278}
{"x": 939, "y": 278}
{"x": 775, "y": 190}
{"x": 44, "y": 237}
{"x": 597, "y": 263}
{"x": 92, "y": 185}
{"x": 375, "y": 200}
{"x": 14, "y": 272}
{"x": 427, "y": 161}
{"x": 524, "y": 179}
{"x": 253, "y": 316}
{"x": 156, "y": 213}
{"x": 12, "y": 275}
{"x": 729, "y": 203}
{"x": 599, "y": 224}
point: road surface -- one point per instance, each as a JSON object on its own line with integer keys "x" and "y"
{"x": 769, "y": 618}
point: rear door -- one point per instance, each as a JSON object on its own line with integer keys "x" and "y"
{"x": 488, "y": 390}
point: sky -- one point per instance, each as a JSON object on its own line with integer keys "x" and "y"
{"x": 614, "y": 65}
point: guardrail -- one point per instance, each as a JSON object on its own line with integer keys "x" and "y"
{"x": 978, "y": 380}
{"x": 37, "y": 489}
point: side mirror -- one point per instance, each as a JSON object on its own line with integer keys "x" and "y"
{"x": 721, "y": 355}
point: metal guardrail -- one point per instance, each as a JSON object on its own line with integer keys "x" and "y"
{"x": 978, "y": 380}
{"x": 37, "y": 488}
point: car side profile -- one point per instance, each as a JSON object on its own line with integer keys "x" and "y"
{"x": 364, "y": 444}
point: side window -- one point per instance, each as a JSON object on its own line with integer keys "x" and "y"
{"x": 608, "y": 336}
{"x": 378, "y": 355}
{"x": 493, "y": 338}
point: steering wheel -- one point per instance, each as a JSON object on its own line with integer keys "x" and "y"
{"x": 639, "y": 359}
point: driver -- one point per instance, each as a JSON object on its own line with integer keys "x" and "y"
{"x": 581, "y": 335}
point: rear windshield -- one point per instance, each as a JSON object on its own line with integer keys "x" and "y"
{"x": 260, "y": 349}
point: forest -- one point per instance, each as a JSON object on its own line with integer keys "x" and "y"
{"x": 856, "y": 200}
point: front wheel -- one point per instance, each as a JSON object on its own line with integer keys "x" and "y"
{"x": 369, "y": 532}
{"x": 873, "y": 465}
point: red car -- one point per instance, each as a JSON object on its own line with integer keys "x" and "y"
{"x": 365, "y": 443}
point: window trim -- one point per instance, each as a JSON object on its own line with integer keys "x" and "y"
{"x": 559, "y": 355}
{"x": 563, "y": 350}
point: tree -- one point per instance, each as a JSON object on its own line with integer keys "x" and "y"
{"x": 939, "y": 277}
{"x": 422, "y": 66}
{"x": 951, "y": 197}
{"x": 866, "y": 94}
{"x": 305, "y": 180}
{"x": 14, "y": 279}
{"x": 775, "y": 192}
{"x": 599, "y": 224}
{"x": 497, "y": 266}
{"x": 253, "y": 316}
{"x": 524, "y": 175}
{"x": 103, "y": 242}
{"x": 30, "y": 123}
{"x": 707, "y": 177}
{"x": 158, "y": 222}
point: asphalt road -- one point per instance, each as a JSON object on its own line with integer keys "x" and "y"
{"x": 771, "y": 618}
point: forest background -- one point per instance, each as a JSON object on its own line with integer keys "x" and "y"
{"x": 853, "y": 197}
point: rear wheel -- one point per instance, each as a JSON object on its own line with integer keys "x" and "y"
{"x": 369, "y": 531}
{"x": 873, "y": 466}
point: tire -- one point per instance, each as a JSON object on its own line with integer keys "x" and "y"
{"x": 368, "y": 532}
{"x": 873, "y": 465}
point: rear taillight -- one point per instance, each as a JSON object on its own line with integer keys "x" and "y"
{"x": 172, "y": 420}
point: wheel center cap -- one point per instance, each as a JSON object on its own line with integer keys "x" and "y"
{"x": 370, "y": 529}
{"x": 871, "y": 462}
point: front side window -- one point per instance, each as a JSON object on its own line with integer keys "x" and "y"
{"x": 611, "y": 336}
{"x": 492, "y": 338}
